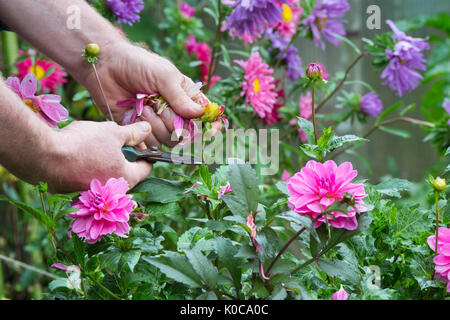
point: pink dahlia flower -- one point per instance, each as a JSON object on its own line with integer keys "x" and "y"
{"x": 203, "y": 53}
{"x": 48, "y": 80}
{"x": 290, "y": 18}
{"x": 186, "y": 10}
{"x": 47, "y": 106}
{"x": 259, "y": 85}
{"x": 341, "y": 294}
{"x": 442, "y": 259}
{"x": 102, "y": 210}
{"x": 319, "y": 185}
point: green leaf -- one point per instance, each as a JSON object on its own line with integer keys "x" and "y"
{"x": 282, "y": 186}
{"x": 278, "y": 293}
{"x": 392, "y": 187}
{"x": 397, "y": 132}
{"x": 110, "y": 260}
{"x": 161, "y": 190}
{"x": 80, "y": 250}
{"x": 244, "y": 182}
{"x": 130, "y": 258}
{"x": 301, "y": 220}
{"x": 227, "y": 257}
{"x": 205, "y": 175}
{"x": 39, "y": 215}
{"x": 339, "y": 141}
{"x": 340, "y": 269}
{"x": 176, "y": 267}
{"x": 347, "y": 41}
{"x": 306, "y": 126}
{"x": 203, "y": 267}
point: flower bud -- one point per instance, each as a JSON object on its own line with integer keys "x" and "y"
{"x": 316, "y": 71}
{"x": 92, "y": 50}
{"x": 439, "y": 184}
{"x": 212, "y": 112}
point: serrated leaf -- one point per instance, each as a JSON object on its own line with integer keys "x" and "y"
{"x": 340, "y": 269}
{"x": 392, "y": 187}
{"x": 227, "y": 257}
{"x": 203, "y": 267}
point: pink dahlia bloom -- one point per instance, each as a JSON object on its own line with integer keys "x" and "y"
{"x": 47, "y": 106}
{"x": 442, "y": 259}
{"x": 290, "y": 18}
{"x": 319, "y": 185}
{"x": 203, "y": 53}
{"x": 186, "y": 10}
{"x": 48, "y": 80}
{"x": 259, "y": 85}
{"x": 341, "y": 294}
{"x": 103, "y": 209}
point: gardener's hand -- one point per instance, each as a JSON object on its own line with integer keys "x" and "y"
{"x": 86, "y": 150}
{"x": 126, "y": 70}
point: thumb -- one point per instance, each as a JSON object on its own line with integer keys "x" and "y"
{"x": 178, "y": 100}
{"x": 134, "y": 134}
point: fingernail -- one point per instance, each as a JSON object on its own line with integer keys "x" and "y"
{"x": 143, "y": 126}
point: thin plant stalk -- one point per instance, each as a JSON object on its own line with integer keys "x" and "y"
{"x": 313, "y": 115}
{"x": 103, "y": 92}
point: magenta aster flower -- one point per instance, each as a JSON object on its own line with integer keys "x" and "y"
{"x": 341, "y": 294}
{"x": 319, "y": 185}
{"x": 290, "y": 18}
{"x": 326, "y": 19}
{"x": 186, "y": 10}
{"x": 446, "y": 106}
{"x": 404, "y": 58}
{"x": 250, "y": 18}
{"x": 259, "y": 85}
{"x": 316, "y": 70}
{"x": 371, "y": 105}
{"x": 47, "y": 106}
{"x": 48, "y": 80}
{"x": 126, "y": 11}
{"x": 442, "y": 259}
{"x": 103, "y": 209}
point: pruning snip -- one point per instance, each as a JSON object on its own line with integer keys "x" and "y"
{"x": 153, "y": 154}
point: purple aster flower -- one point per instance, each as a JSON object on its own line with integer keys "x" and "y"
{"x": 294, "y": 68}
{"x": 126, "y": 11}
{"x": 326, "y": 19}
{"x": 446, "y": 106}
{"x": 405, "y": 57}
{"x": 250, "y": 18}
{"x": 371, "y": 105}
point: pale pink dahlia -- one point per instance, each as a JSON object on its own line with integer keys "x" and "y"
{"x": 259, "y": 85}
{"x": 319, "y": 185}
{"x": 49, "y": 74}
{"x": 102, "y": 210}
{"x": 442, "y": 259}
{"x": 46, "y": 106}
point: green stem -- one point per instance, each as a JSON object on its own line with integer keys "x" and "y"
{"x": 215, "y": 45}
{"x": 437, "y": 220}
{"x": 10, "y": 49}
{"x": 102, "y": 91}
{"x": 104, "y": 288}
{"x": 313, "y": 111}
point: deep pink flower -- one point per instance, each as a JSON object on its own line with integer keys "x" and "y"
{"x": 196, "y": 183}
{"x": 341, "y": 294}
{"x": 316, "y": 70}
{"x": 442, "y": 259}
{"x": 290, "y": 18}
{"x": 259, "y": 85}
{"x": 131, "y": 115}
{"x": 47, "y": 106}
{"x": 319, "y": 185}
{"x": 203, "y": 53}
{"x": 224, "y": 189}
{"x": 285, "y": 176}
{"x": 48, "y": 80}
{"x": 103, "y": 209}
{"x": 186, "y": 10}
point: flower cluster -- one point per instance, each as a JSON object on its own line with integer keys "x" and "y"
{"x": 103, "y": 209}
{"x": 318, "y": 185}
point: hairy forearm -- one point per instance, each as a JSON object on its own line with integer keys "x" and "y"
{"x": 25, "y": 143}
{"x": 44, "y": 24}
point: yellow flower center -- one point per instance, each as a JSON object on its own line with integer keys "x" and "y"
{"x": 31, "y": 105}
{"x": 402, "y": 61}
{"x": 256, "y": 86}
{"x": 287, "y": 13}
{"x": 38, "y": 71}
{"x": 321, "y": 23}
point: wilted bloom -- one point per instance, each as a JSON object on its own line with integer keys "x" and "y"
{"x": 285, "y": 176}
{"x": 186, "y": 10}
{"x": 259, "y": 85}
{"x": 290, "y": 18}
{"x": 224, "y": 189}
{"x": 74, "y": 273}
{"x": 341, "y": 294}
{"x": 196, "y": 183}
{"x": 403, "y": 59}
{"x": 213, "y": 112}
{"x": 203, "y": 53}
{"x": 103, "y": 209}
{"x": 326, "y": 19}
{"x": 47, "y": 106}
{"x": 126, "y": 11}
{"x": 250, "y": 18}
{"x": 319, "y": 185}
{"x": 253, "y": 229}
{"x": 371, "y": 105}
{"x": 49, "y": 74}
{"x": 316, "y": 70}
{"x": 131, "y": 115}
{"x": 442, "y": 259}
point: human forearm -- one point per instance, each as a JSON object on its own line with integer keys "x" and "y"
{"x": 43, "y": 23}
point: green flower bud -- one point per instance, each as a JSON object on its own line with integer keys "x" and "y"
{"x": 439, "y": 184}
{"x": 92, "y": 49}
